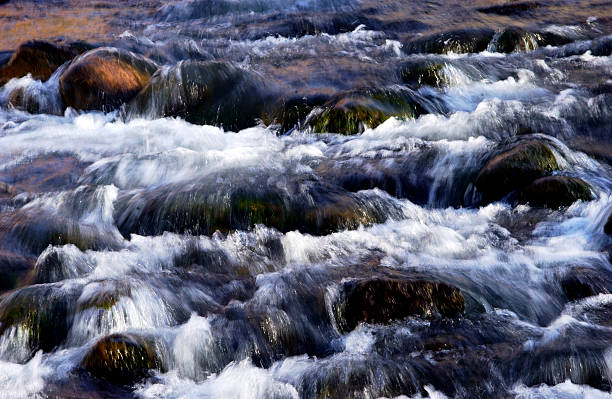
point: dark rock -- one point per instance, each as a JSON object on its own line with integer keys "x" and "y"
{"x": 121, "y": 358}
{"x": 285, "y": 204}
{"x": 13, "y": 269}
{"x": 59, "y": 263}
{"x": 608, "y": 226}
{"x": 514, "y": 169}
{"x": 292, "y": 113}
{"x": 207, "y": 92}
{"x": 42, "y": 311}
{"x": 385, "y": 300}
{"x": 555, "y": 191}
{"x": 351, "y": 113}
{"x": 458, "y": 41}
{"x": 583, "y": 282}
{"x": 418, "y": 73}
{"x": 509, "y": 8}
{"x": 104, "y": 78}
{"x": 38, "y": 58}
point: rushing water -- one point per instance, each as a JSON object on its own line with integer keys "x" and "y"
{"x": 114, "y": 222}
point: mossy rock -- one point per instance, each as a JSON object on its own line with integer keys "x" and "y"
{"x": 293, "y": 112}
{"x": 457, "y": 41}
{"x": 44, "y": 311}
{"x": 38, "y": 58}
{"x": 518, "y": 40}
{"x": 514, "y": 169}
{"x": 204, "y": 92}
{"x": 241, "y": 203}
{"x": 121, "y": 359}
{"x": 104, "y": 78}
{"x": 352, "y": 113}
{"x": 384, "y": 300}
{"x": 555, "y": 192}
{"x": 422, "y": 73}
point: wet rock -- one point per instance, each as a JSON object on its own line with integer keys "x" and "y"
{"x": 293, "y": 112}
{"x": 240, "y": 203}
{"x": 60, "y": 263}
{"x": 13, "y": 269}
{"x": 608, "y": 226}
{"x": 121, "y": 358}
{"x": 104, "y": 78}
{"x": 39, "y": 58}
{"x": 509, "y": 8}
{"x": 19, "y": 99}
{"x": 555, "y": 192}
{"x": 385, "y": 300}
{"x": 210, "y": 92}
{"x": 418, "y": 73}
{"x": 583, "y": 282}
{"x": 514, "y": 169}
{"x": 458, "y": 41}
{"x": 352, "y": 113}
{"x": 41, "y": 313}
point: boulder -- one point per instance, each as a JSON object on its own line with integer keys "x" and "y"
{"x": 353, "y": 112}
{"x": 583, "y": 282}
{"x": 384, "y": 300}
{"x": 104, "y": 78}
{"x": 41, "y": 312}
{"x": 457, "y": 41}
{"x": 514, "y": 169}
{"x": 555, "y": 192}
{"x": 241, "y": 202}
{"x": 205, "y": 92}
{"x": 121, "y": 359}
{"x": 39, "y": 58}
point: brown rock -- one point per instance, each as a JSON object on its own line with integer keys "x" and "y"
{"x": 38, "y": 58}
{"x": 555, "y": 191}
{"x": 513, "y": 169}
{"x": 104, "y": 78}
{"x": 384, "y": 300}
{"x": 121, "y": 358}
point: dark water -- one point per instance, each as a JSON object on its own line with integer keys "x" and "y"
{"x": 229, "y": 249}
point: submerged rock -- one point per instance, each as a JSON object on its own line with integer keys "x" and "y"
{"x": 104, "y": 78}
{"x": 39, "y": 58}
{"x": 207, "y": 92}
{"x": 555, "y": 191}
{"x": 514, "y": 169}
{"x": 352, "y": 113}
{"x": 121, "y": 358}
{"x": 457, "y": 41}
{"x": 418, "y": 73}
{"x": 384, "y": 300}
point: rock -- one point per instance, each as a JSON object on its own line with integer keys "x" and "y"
{"x": 41, "y": 313}
{"x": 518, "y": 40}
{"x": 240, "y": 202}
{"x": 210, "y": 92}
{"x": 293, "y": 112}
{"x": 419, "y": 73}
{"x": 509, "y": 8}
{"x": 384, "y": 300}
{"x": 121, "y": 359}
{"x": 13, "y": 269}
{"x": 39, "y": 58}
{"x": 457, "y": 41}
{"x": 514, "y": 169}
{"x": 104, "y": 78}
{"x": 583, "y": 282}
{"x": 608, "y": 226}
{"x": 351, "y": 113}
{"x": 555, "y": 192}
